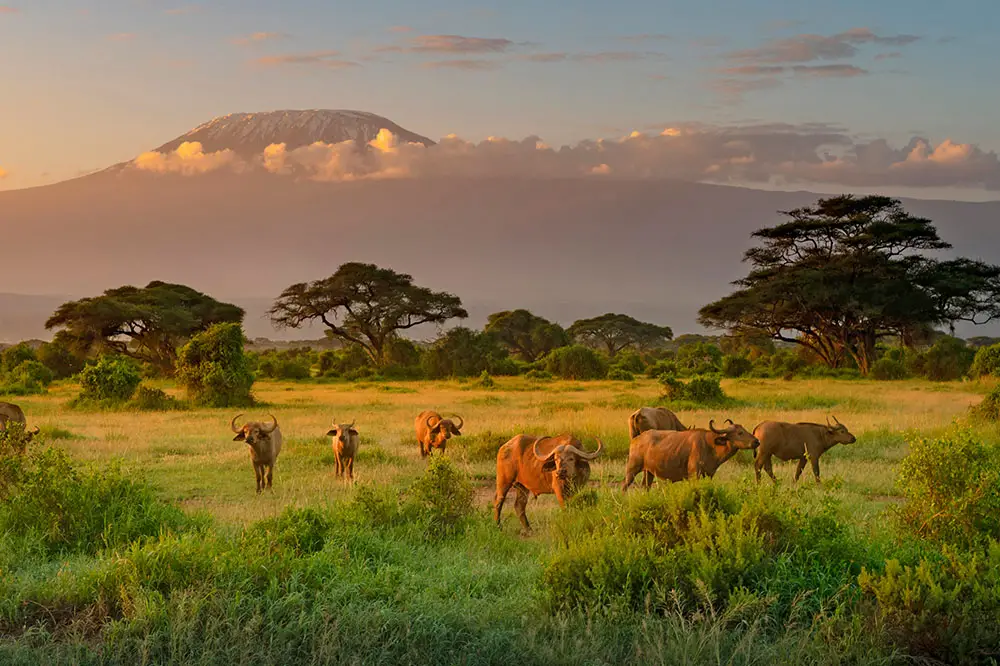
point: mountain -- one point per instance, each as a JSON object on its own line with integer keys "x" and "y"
{"x": 565, "y": 248}
{"x": 248, "y": 134}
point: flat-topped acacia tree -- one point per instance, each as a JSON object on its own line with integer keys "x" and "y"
{"x": 365, "y": 305}
{"x": 838, "y": 276}
{"x": 615, "y": 332}
{"x": 148, "y": 324}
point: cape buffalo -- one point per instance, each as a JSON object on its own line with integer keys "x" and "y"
{"x": 652, "y": 418}
{"x": 433, "y": 432}
{"x": 689, "y": 454}
{"x": 797, "y": 441}
{"x": 541, "y": 465}
{"x": 345, "y": 445}
{"x": 265, "y": 445}
{"x": 11, "y": 413}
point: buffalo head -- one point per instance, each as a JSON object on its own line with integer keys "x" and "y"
{"x": 253, "y": 432}
{"x": 443, "y": 430}
{"x": 838, "y": 433}
{"x": 567, "y": 464}
{"x": 343, "y": 431}
{"x": 735, "y": 434}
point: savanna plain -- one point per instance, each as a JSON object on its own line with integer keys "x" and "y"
{"x": 155, "y": 549}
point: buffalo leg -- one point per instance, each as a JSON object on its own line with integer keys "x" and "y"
{"x": 632, "y": 467}
{"x": 337, "y": 465}
{"x": 423, "y": 450}
{"x": 258, "y": 472}
{"x": 801, "y": 466}
{"x": 350, "y": 468}
{"x": 814, "y": 461}
{"x": 647, "y": 480}
{"x": 520, "y": 504}
{"x": 503, "y": 487}
{"x": 270, "y": 474}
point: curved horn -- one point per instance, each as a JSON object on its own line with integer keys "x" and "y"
{"x": 711, "y": 426}
{"x": 534, "y": 449}
{"x": 730, "y": 422}
{"x": 592, "y": 454}
{"x": 35, "y": 430}
{"x": 352, "y": 424}
{"x": 836, "y": 421}
{"x": 274, "y": 424}
{"x": 461, "y": 422}
{"x": 232, "y": 424}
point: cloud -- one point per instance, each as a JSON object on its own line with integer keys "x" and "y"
{"x": 472, "y": 65}
{"x": 829, "y": 70}
{"x": 122, "y": 37}
{"x": 451, "y": 44}
{"x": 645, "y": 37}
{"x": 188, "y": 160}
{"x": 763, "y": 154}
{"x": 255, "y": 37}
{"x": 6, "y": 9}
{"x": 889, "y": 56}
{"x": 324, "y": 59}
{"x": 591, "y": 57}
{"x": 810, "y": 47}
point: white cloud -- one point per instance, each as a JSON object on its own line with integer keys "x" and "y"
{"x": 759, "y": 154}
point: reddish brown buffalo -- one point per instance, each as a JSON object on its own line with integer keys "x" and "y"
{"x": 265, "y": 445}
{"x": 433, "y": 432}
{"x": 540, "y": 466}
{"x": 797, "y": 441}
{"x": 345, "y": 447}
{"x": 690, "y": 454}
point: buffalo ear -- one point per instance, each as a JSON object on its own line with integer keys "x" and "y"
{"x": 455, "y": 431}
{"x": 241, "y": 436}
{"x": 549, "y": 465}
{"x": 331, "y": 433}
{"x": 353, "y": 432}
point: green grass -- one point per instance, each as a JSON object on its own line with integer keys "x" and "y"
{"x": 229, "y": 591}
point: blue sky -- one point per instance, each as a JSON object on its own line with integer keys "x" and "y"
{"x": 88, "y": 83}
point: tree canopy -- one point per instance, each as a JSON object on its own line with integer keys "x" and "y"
{"x": 615, "y": 332}
{"x": 526, "y": 335}
{"x": 837, "y": 276}
{"x": 147, "y": 324}
{"x": 365, "y": 305}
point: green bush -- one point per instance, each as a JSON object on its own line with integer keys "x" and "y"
{"x": 149, "y": 399}
{"x": 989, "y": 408}
{"x": 699, "y": 358}
{"x": 700, "y": 390}
{"x": 296, "y": 531}
{"x": 462, "y": 352}
{"x": 947, "y": 360}
{"x": 444, "y": 498}
{"x": 576, "y": 362}
{"x": 630, "y": 361}
{"x": 486, "y": 381}
{"x": 539, "y": 375}
{"x": 618, "y": 373}
{"x": 214, "y": 369}
{"x": 952, "y": 489}
{"x": 60, "y": 359}
{"x": 736, "y": 366}
{"x": 986, "y": 362}
{"x": 659, "y": 368}
{"x": 945, "y": 611}
{"x": 888, "y": 369}
{"x": 113, "y": 379}
{"x": 14, "y": 356}
{"x": 28, "y": 378}
{"x": 72, "y": 510}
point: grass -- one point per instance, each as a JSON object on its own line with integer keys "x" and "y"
{"x": 384, "y": 595}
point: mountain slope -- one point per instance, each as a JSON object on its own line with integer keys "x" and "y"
{"x": 248, "y": 134}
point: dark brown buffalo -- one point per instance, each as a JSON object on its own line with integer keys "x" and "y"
{"x": 541, "y": 466}
{"x": 797, "y": 441}
{"x": 264, "y": 443}
{"x": 345, "y": 446}
{"x": 690, "y": 454}
{"x": 652, "y": 418}
{"x": 11, "y": 413}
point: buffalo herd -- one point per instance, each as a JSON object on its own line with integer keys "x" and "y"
{"x": 660, "y": 446}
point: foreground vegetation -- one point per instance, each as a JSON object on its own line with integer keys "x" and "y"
{"x": 136, "y": 537}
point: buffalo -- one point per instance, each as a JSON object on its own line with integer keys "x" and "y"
{"x": 689, "y": 454}
{"x": 11, "y": 413}
{"x": 652, "y": 418}
{"x": 345, "y": 446}
{"x": 265, "y": 445}
{"x": 797, "y": 441}
{"x": 541, "y": 465}
{"x": 433, "y": 432}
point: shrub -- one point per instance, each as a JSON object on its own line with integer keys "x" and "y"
{"x": 949, "y": 359}
{"x": 113, "y": 379}
{"x": 443, "y": 496}
{"x": 576, "y": 362}
{"x": 538, "y": 374}
{"x": 736, "y": 366}
{"x": 952, "y": 489}
{"x": 702, "y": 390}
{"x": 888, "y": 369}
{"x": 620, "y": 374}
{"x": 28, "y": 378}
{"x": 662, "y": 368}
{"x": 149, "y": 399}
{"x": 986, "y": 362}
{"x": 942, "y": 610}
{"x": 60, "y": 359}
{"x": 699, "y": 358}
{"x": 14, "y": 356}
{"x": 989, "y": 408}
{"x": 214, "y": 368}
{"x": 630, "y": 361}
{"x": 486, "y": 381}
{"x": 462, "y": 352}
{"x": 299, "y": 531}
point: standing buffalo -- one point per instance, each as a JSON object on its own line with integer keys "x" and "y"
{"x": 797, "y": 441}
{"x": 541, "y": 465}
{"x": 652, "y": 418}
{"x": 265, "y": 445}
{"x": 345, "y": 446}
{"x": 11, "y": 413}
{"x": 433, "y": 432}
{"x": 690, "y": 454}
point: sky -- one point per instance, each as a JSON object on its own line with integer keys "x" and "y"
{"x": 907, "y": 86}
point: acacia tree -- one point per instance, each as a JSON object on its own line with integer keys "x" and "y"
{"x": 615, "y": 332}
{"x": 839, "y": 275}
{"x": 147, "y": 324}
{"x": 365, "y": 305}
{"x": 526, "y": 335}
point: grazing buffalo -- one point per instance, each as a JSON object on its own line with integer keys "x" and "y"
{"x": 433, "y": 432}
{"x": 265, "y": 445}
{"x": 11, "y": 413}
{"x": 797, "y": 441}
{"x": 541, "y": 465}
{"x": 345, "y": 446}
{"x": 689, "y": 454}
{"x": 652, "y": 418}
